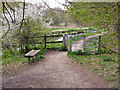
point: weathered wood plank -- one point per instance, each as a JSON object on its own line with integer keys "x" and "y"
{"x": 54, "y": 36}
{"x": 55, "y": 42}
{"x": 52, "y": 48}
{"x": 45, "y": 40}
{"x": 84, "y": 43}
{"x": 32, "y": 53}
{"x": 70, "y": 43}
{"x": 46, "y": 36}
{"x": 99, "y": 43}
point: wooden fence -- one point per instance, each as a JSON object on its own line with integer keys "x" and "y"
{"x": 48, "y": 42}
{"x": 84, "y": 43}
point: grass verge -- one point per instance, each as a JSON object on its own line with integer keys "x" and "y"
{"x": 105, "y": 65}
{"x": 12, "y": 64}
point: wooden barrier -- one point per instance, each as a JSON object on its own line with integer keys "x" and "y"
{"x": 70, "y": 43}
{"x": 99, "y": 43}
{"x": 55, "y": 42}
{"x": 46, "y": 36}
{"x": 84, "y": 43}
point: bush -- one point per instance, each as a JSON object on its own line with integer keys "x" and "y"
{"x": 6, "y": 54}
{"x": 102, "y": 51}
{"x": 40, "y": 57}
{"x": 80, "y": 52}
{"x": 63, "y": 48}
{"x": 108, "y": 59}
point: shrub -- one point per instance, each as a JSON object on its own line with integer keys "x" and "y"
{"x": 6, "y": 54}
{"x": 63, "y": 48}
{"x": 40, "y": 57}
{"x": 102, "y": 50}
{"x": 80, "y": 52}
{"x": 108, "y": 59}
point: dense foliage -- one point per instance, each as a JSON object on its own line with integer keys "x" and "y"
{"x": 99, "y": 14}
{"x": 102, "y": 15}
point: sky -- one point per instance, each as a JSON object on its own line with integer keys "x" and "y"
{"x": 51, "y": 3}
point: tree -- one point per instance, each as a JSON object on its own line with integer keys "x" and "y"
{"x": 98, "y": 14}
{"x": 51, "y": 17}
{"x": 102, "y": 15}
{"x": 14, "y": 17}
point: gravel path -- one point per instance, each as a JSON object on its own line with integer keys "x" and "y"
{"x": 55, "y": 71}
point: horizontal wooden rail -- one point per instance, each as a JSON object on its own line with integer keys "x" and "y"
{"x": 36, "y": 37}
{"x": 55, "y": 42}
{"x": 67, "y": 32}
{"x": 47, "y": 36}
{"x": 77, "y": 33}
{"x": 54, "y": 36}
{"x": 35, "y": 43}
{"x": 52, "y": 48}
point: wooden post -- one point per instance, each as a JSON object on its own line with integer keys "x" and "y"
{"x": 84, "y": 43}
{"x": 29, "y": 60}
{"x": 45, "y": 40}
{"x": 70, "y": 43}
{"x": 99, "y": 43}
{"x": 63, "y": 40}
{"x": 26, "y": 45}
{"x": 95, "y": 44}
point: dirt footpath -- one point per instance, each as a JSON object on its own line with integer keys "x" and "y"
{"x": 55, "y": 71}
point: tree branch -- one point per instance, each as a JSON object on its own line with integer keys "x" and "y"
{"x": 8, "y": 13}
{"x": 12, "y": 10}
{"x": 6, "y": 20}
{"x": 23, "y": 15}
{"x": 49, "y": 7}
{"x": 22, "y": 19}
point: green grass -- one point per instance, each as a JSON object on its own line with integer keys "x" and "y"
{"x": 110, "y": 40}
{"x": 91, "y": 42}
{"x": 55, "y": 28}
{"x": 15, "y": 63}
{"x": 89, "y": 34}
{"x": 105, "y": 65}
{"x": 52, "y": 38}
{"x": 9, "y": 58}
{"x": 69, "y": 30}
{"x": 14, "y": 59}
{"x": 63, "y": 48}
{"x": 54, "y": 45}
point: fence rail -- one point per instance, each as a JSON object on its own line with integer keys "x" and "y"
{"x": 55, "y": 42}
{"x": 46, "y": 36}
